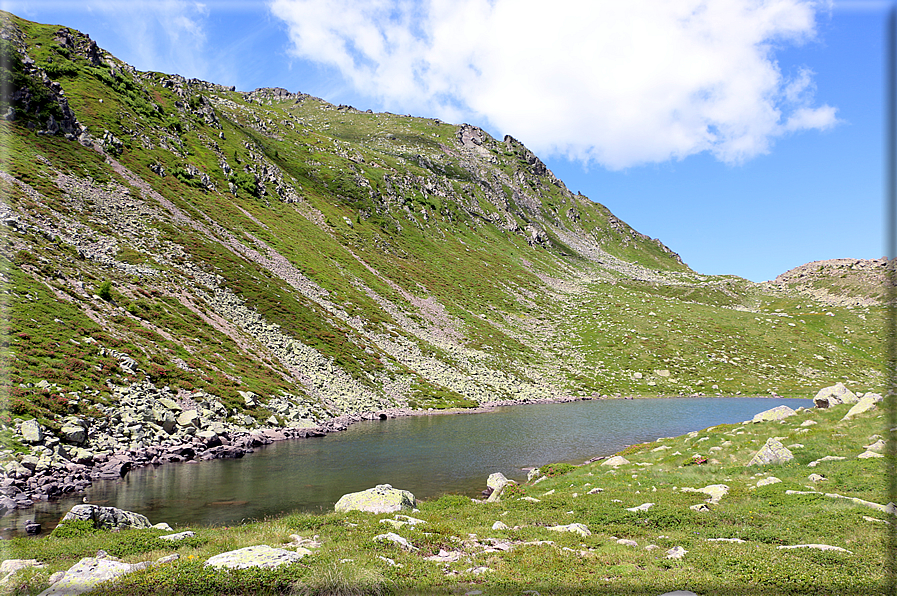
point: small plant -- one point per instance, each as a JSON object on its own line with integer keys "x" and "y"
{"x": 104, "y": 290}
{"x": 74, "y": 528}
{"x": 696, "y": 460}
{"x": 552, "y": 470}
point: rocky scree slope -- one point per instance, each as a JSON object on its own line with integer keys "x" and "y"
{"x": 270, "y": 260}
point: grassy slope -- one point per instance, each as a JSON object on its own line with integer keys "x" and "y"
{"x": 764, "y": 518}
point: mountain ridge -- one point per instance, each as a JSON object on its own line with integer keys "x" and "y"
{"x": 270, "y": 243}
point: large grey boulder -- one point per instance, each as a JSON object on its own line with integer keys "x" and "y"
{"x": 73, "y": 431}
{"x": 32, "y": 432}
{"x": 87, "y": 573}
{"x": 864, "y": 404}
{"x": 107, "y": 518}
{"x": 256, "y": 556}
{"x": 835, "y": 395}
{"x": 497, "y": 483}
{"x": 773, "y": 452}
{"x": 777, "y": 413}
{"x": 383, "y": 498}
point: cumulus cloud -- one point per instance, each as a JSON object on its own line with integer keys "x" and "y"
{"x": 603, "y": 81}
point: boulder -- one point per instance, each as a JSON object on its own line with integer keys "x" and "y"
{"x": 256, "y": 556}
{"x": 32, "y": 432}
{"x": 107, "y": 518}
{"x": 87, "y": 573}
{"x": 617, "y": 460}
{"x": 865, "y": 403}
{"x": 834, "y": 395}
{"x": 73, "y": 432}
{"x": 383, "y": 498}
{"x": 773, "y": 452}
{"x": 497, "y": 483}
{"x": 188, "y": 418}
{"x": 396, "y": 539}
{"x": 715, "y": 491}
{"x": 776, "y": 413}
{"x": 580, "y": 529}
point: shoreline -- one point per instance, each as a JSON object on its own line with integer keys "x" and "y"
{"x": 20, "y": 490}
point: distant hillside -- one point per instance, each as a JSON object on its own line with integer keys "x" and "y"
{"x": 841, "y": 282}
{"x": 299, "y": 260}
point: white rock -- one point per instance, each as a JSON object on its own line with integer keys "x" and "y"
{"x": 261, "y": 555}
{"x": 816, "y": 546}
{"x": 642, "y": 507}
{"x": 617, "y": 460}
{"x": 580, "y": 529}
{"x": 395, "y": 538}
{"x": 677, "y": 552}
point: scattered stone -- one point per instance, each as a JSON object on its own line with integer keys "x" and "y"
{"x": 714, "y": 491}
{"x": 877, "y": 446}
{"x": 875, "y": 519}
{"x": 889, "y": 508}
{"x": 178, "y": 536}
{"x": 768, "y": 481}
{"x": 617, "y": 460}
{"x": 580, "y": 529}
{"x": 738, "y": 540}
{"x": 499, "y": 526}
{"x": 816, "y": 546}
{"x": 162, "y": 526}
{"x": 808, "y": 423}
{"x": 815, "y": 463}
{"x": 642, "y": 507}
{"x": 773, "y": 452}
{"x": 834, "y": 395}
{"x": 530, "y": 499}
{"x": 700, "y": 508}
{"x": 816, "y": 478}
{"x": 395, "y": 538}
{"x": 677, "y": 552}
{"x": 445, "y": 556}
{"x": 255, "y": 556}
{"x": 868, "y": 454}
{"x": 383, "y": 498}
{"x": 777, "y": 413}
{"x": 626, "y": 542}
{"x": 596, "y": 490}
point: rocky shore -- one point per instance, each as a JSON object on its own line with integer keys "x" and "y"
{"x": 152, "y": 426}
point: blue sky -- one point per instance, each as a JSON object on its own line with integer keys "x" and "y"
{"x": 744, "y": 134}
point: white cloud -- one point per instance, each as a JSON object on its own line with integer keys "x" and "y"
{"x": 617, "y": 83}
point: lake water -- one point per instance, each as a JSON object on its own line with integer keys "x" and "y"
{"x": 427, "y": 455}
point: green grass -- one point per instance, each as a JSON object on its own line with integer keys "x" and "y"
{"x": 765, "y": 518}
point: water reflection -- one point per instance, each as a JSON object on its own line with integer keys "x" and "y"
{"x": 429, "y": 455}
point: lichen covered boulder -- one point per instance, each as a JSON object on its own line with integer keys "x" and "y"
{"x": 834, "y": 395}
{"x": 383, "y": 498}
{"x": 776, "y": 413}
{"x": 773, "y": 452}
{"x": 106, "y": 518}
{"x": 262, "y": 556}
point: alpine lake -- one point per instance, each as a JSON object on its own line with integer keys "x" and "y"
{"x": 427, "y": 455}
